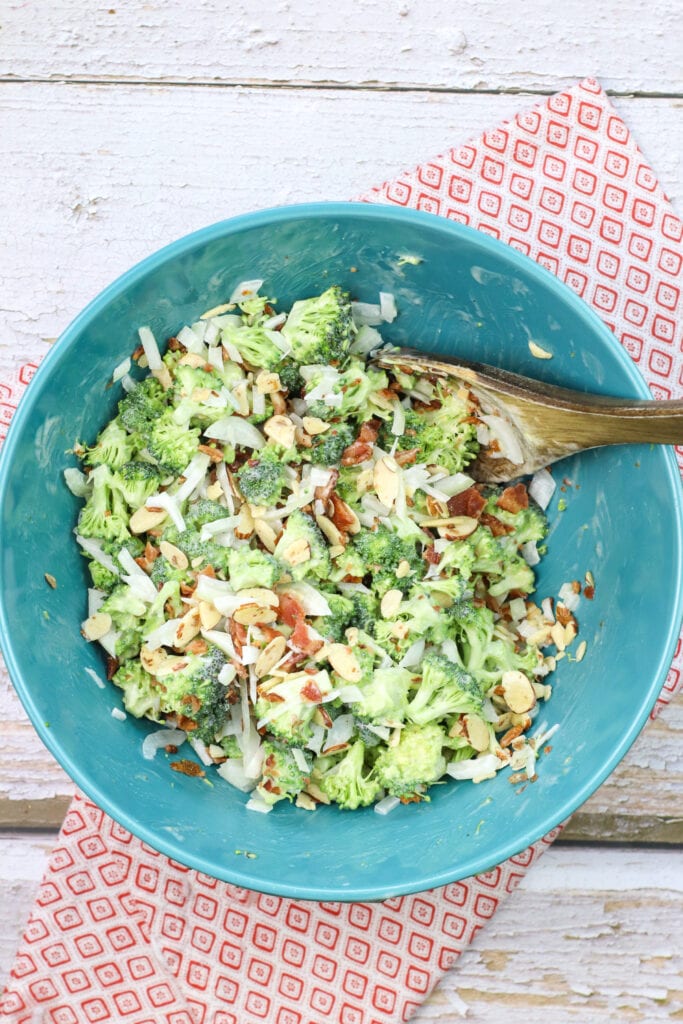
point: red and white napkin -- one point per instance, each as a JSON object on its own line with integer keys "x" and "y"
{"x": 121, "y": 933}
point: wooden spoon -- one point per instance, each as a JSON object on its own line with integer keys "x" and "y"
{"x": 548, "y": 422}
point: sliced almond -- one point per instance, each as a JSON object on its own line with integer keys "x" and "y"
{"x": 214, "y": 491}
{"x": 390, "y": 603}
{"x": 188, "y": 627}
{"x": 467, "y": 524}
{"x": 174, "y": 555}
{"x": 538, "y": 352}
{"x": 518, "y": 692}
{"x": 144, "y": 519}
{"x": 200, "y": 394}
{"x": 164, "y": 377}
{"x": 260, "y": 595}
{"x": 298, "y": 551}
{"x": 353, "y": 635}
{"x": 266, "y": 534}
{"x": 278, "y": 402}
{"x": 557, "y": 635}
{"x": 336, "y": 550}
{"x": 364, "y": 481}
{"x": 334, "y": 536}
{"x": 436, "y": 508}
{"x": 196, "y": 562}
{"x": 281, "y": 430}
{"x": 270, "y": 655}
{"x": 305, "y": 801}
{"x": 403, "y": 569}
{"x": 150, "y": 659}
{"x": 192, "y": 359}
{"x": 477, "y": 732}
{"x": 317, "y": 793}
{"x": 313, "y": 425}
{"x": 345, "y": 663}
{"x": 224, "y": 307}
{"x": 97, "y": 626}
{"x": 208, "y": 615}
{"x": 580, "y": 653}
{"x": 254, "y": 615}
{"x": 267, "y": 382}
{"x": 245, "y": 523}
{"x": 241, "y": 396}
{"x": 385, "y": 480}
{"x": 400, "y": 630}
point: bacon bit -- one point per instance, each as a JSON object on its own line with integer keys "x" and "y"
{"x": 352, "y": 579}
{"x": 151, "y": 553}
{"x": 291, "y": 612}
{"x": 187, "y": 589}
{"x": 278, "y": 402}
{"x": 427, "y": 406}
{"x": 406, "y": 458}
{"x": 171, "y": 748}
{"x": 514, "y": 499}
{"x": 356, "y": 453}
{"x": 215, "y": 454}
{"x": 238, "y": 635}
{"x": 137, "y": 353}
{"x": 589, "y": 592}
{"x": 335, "y": 748}
{"x": 191, "y": 701}
{"x": 272, "y": 698}
{"x": 342, "y": 516}
{"x": 563, "y": 615}
{"x": 188, "y": 768}
{"x": 293, "y": 662}
{"x": 414, "y": 799}
{"x": 511, "y": 735}
{"x": 197, "y": 646}
{"x": 269, "y": 632}
{"x": 324, "y": 492}
{"x": 494, "y": 445}
{"x": 492, "y": 603}
{"x": 186, "y": 724}
{"x": 497, "y": 528}
{"x": 208, "y": 570}
{"x": 112, "y": 667}
{"x": 302, "y": 639}
{"x": 576, "y": 586}
{"x": 270, "y": 786}
{"x": 431, "y": 555}
{"x": 311, "y": 692}
{"x": 175, "y": 346}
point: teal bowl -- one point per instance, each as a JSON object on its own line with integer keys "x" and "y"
{"x": 470, "y": 295}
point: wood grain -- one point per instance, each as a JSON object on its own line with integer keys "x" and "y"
{"x": 608, "y": 950}
{"x": 523, "y": 44}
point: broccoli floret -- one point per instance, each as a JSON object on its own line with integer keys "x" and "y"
{"x": 291, "y": 379}
{"x": 303, "y": 549}
{"x": 190, "y": 542}
{"x": 414, "y": 763}
{"x": 249, "y": 567}
{"x": 418, "y": 617}
{"x": 459, "y": 557}
{"x": 172, "y": 444}
{"x": 481, "y": 653}
{"x": 445, "y": 689}
{"x": 163, "y": 572}
{"x": 113, "y": 447}
{"x": 141, "y": 692}
{"x": 194, "y": 692}
{"x": 281, "y": 776}
{"x": 529, "y": 524}
{"x": 286, "y": 710}
{"x": 443, "y": 435}
{"x": 122, "y": 604}
{"x": 193, "y": 387}
{"x": 133, "y": 545}
{"x": 230, "y": 746}
{"x": 381, "y": 552}
{"x": 142, "y": 406}
{"x": 128, "y": 643}
{"x": 102, "y": 578}
{"x": 261, "y": 480}
{"x": 365, "y": 732}
{"x": 320, "y": 329}
{"x": 204, "y": 511}
{"x": 136, "y": 481}
{"x": 104, "y": 515}
{"x": 365, "y": 611}
{"x": 327, "y": 448}
{"x": 384, "y": 696}
{"x": 333, "y": 626}
{"x": 356, "y": 385}
{"x": 515, "y": 574}
{"x": 498, "y": 560}
{"x": 167, "y": 597}
{"x": 255, "y": 344}
{"x": 348, "y": 783}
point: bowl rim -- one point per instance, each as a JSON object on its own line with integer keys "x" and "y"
{"x": 476, "y": 863}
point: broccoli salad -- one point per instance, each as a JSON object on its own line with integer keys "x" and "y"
{"x": 293, "y": 572}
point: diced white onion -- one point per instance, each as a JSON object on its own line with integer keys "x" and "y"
{"x": 257, "y": 803}
{"x": 258, "y": 402}
{"x": 208, "y": 588}
{"x": 108, "y": 642}
{"x": 77, "y": 482}
{"x": 137, "y": 578}
{"x": 350, "y": 694}
{"x": 128, "y": 383}
{"x": 121, "y": 370}
{"x": 227, "y": 674}
{"x": 366, "y": 313}
{"x": 153, "y": 741}
{"x": 187, "y": 337}
{"x": 149, "y": 344}
{"x": 387, "y": 307}
{"x": 119, "y": 714}
{"x": 223, "y": 480}
{"x": 236, "y": 430}
{"x": 386, "y": 805}
{"x": 547, "y": 609}
{"x": 301, "y": 762}
{"x": 164, "y": 635}
{"x": 221, "y": 640}
{"x": 168, "y": 502}
{"x": 215, "y": 357}
{"x": 366, "y": 340}
{"x": 309, "y": 597}
{"x": 570, "y": 599}
{"x": 316, "y": 741}
{"x": 341, "y": 732}
{"x": 506, "y": 435}
{"x": 199, "y": 747}
{"x": 94, "y": 549}
{"x": 232, "y": 771}
{"x": 246, "y": 290}
{"x": 96, "y": 679}
{"x": 542, "y": 487}
{"x": 210, "y": 530}
{"x": 518, "y": 608}
{"x": 193, "y": 474}
{"x": 413, "y": 656}
{"x": 96, "y": 599}
{"x": 398, "y": 424}
{"x": 474, "y": 767}
{"x": 249, "y": 654}
{"x": 530, "y": 553}
{"x": 274, "y": 322}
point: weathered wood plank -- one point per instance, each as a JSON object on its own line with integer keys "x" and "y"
{"x": 608, "y": 950}
{"x": 524, "y": 44}
{"x": 123, "y": 171}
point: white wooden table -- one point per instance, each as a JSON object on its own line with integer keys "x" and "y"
{"x": 125, "y": 126}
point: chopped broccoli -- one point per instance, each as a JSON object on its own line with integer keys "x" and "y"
{"x": 348, "y": 783}
{"x": 172, "y": 444}
{"x": 135, "y": 481}
{"x": 287, "y": 708}
{"x": 203, "y": 511}
{"x": 141, "y": 692}
{"x": 191, "y": 544}
{"x": 249, "y": 567}
{"x": 290, "y": 378}
{"x": 142, "y": 406}
{"x": 357, "y": 385}
{"x": 281, "y": 776}
{"x": 384, "y": 697}
{"x": 414, "y": 763}
{"x": 303, "y": 549}
{"x": 381, "y": 552}
{"x": 320, "y": 329}
{"x": 327, "y": 448}
{"x": 261, "y": 480}
{"x": 195, "y": 393}
{"x": 163, "y": 572}
{"x": 255, "y": 344}
{"x": 443, "y": 435}
{"x": 194, "y": 692}
{"x": 334, "y": 625}
{"x": 104, "y": 515}
{"x": 482, "y": 654}
{"x": 102, "y": 578}
{"x": 113, "y": 447}
{"x": 445, "y": 688}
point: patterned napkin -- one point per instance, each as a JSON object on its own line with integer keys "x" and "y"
{"x": 119, "y": 932}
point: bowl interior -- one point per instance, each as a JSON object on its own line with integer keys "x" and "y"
{"x": 622, "y": 521}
